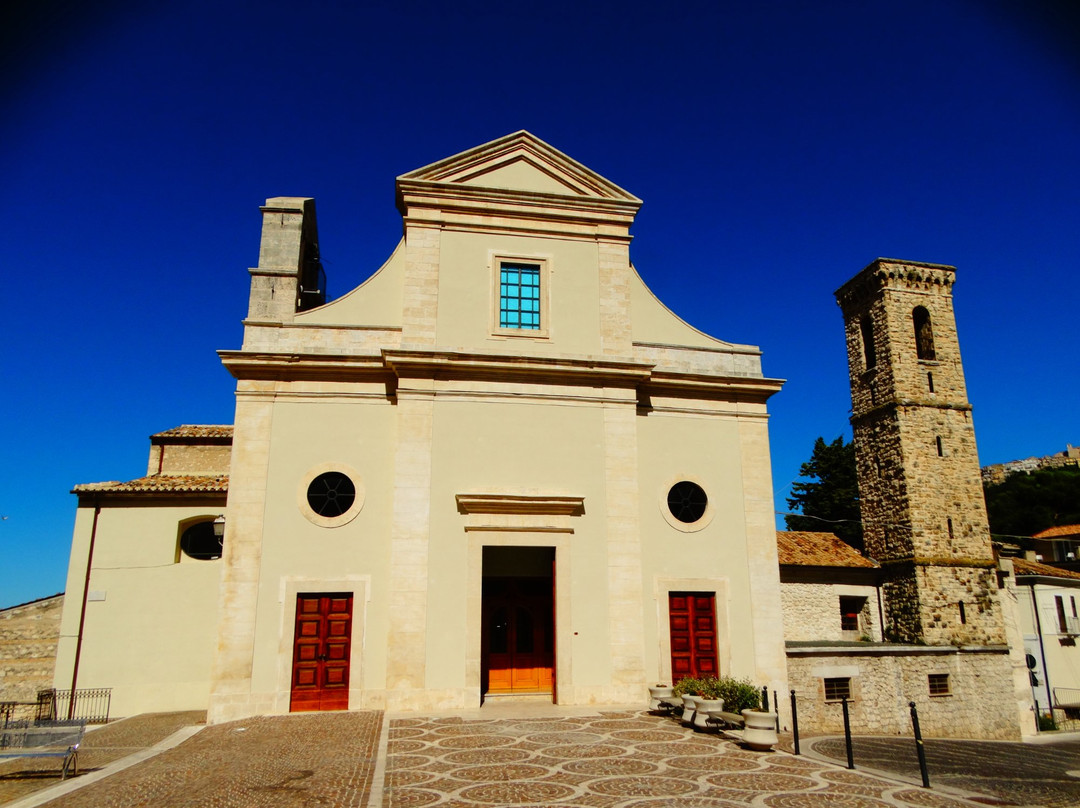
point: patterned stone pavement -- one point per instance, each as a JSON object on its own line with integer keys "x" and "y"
{"x": 1013, "y": 773}
{"x": 299, "y": 760}
{"x": 615, "y": 760}
{"x": 100, "y": 746}
{"x": 600, "y": 760}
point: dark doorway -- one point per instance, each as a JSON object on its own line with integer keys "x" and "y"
{"x": 518, "y": 613}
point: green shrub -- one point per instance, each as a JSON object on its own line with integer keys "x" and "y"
{"x": 738, "y": 694}
{"x": 687, "y": 686}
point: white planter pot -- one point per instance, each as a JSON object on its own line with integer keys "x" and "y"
{"x": 759, "y": 731}
{"x": 689, "y": 706}
{"x": 701, "y": 713}
{"x": 658, "y": 694}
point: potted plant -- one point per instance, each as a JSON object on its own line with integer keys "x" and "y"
{"x": 688, "y": 687}
{"x": 659, "y": 693}
{"x": 710, "y": 699}
{"x": 759, "y": 725}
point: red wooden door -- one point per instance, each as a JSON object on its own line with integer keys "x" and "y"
{"x": 321, "y": 650}
{"x": 693, "y": 634}
{"x": 518, "y": 635}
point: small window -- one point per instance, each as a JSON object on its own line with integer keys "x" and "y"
{"x": 940, "y": 447}
{"x": 199, "y": 542}
{"x": 850, "y": 613}
{"x": 519, "y": 296}
{"x": 924, "y": 334}
{"x": 949, "y": 526}
{"x": 1063, "y": 623}
{"x": 687, "y": 501}
{"x": 939, "y": 684}
{"x": 838, "y": 689}
{"x": 331, "y": 494}
{"x": 963, "y": 613}
{"x": 930, "y": 381}
{"x": 866, "y": 327}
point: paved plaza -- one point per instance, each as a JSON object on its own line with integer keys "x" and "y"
{"x": 627, "y": 759}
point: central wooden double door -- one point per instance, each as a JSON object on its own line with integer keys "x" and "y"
{"x": 518, "y": 636}
{"x": 322, "y": 644}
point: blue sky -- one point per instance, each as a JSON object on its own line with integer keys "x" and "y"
{"x": 804, "y": 139}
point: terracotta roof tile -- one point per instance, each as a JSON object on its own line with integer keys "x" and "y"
{"x": 1022, "y": 566}
{"x": 176, "y": 484}
{"x": 197, "y": 431}
{"x": 807, "y": 548}
{"x": 1061, "y": 531}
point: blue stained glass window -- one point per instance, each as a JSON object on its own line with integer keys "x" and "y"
{"x": 519, "y": 296}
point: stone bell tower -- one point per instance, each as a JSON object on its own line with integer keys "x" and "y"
{"x": 924, "y": 516}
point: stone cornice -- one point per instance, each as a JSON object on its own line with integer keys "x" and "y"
{"x": 939, "y": 561}
{"x": 392, "y": 365}
{"x": 700, "y": 385}
{"x": 538, "y": 369}
{"x": 888, "y": 649}
{"x": 894, "y": 404}
{"x": 264, "y": 366}
{"x": 539, "y": 504}
{"x": 883, "y": 273}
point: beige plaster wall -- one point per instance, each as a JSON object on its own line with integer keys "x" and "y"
{"x": 312, "y": 433}
{"x": 1058, "y": 656}
{"x": 151, "y": 620}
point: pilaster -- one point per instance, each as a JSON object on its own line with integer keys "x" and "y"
{"x": 230, "y": 679}
{"x": 625, "y": 598}
{"x": 408, "y": 584}
{"x": 421, "y": 292}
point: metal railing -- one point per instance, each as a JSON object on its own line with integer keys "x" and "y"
{"x": 90, "y": 704}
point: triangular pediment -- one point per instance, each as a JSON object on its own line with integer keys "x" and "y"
{"x": 520, "y": 162}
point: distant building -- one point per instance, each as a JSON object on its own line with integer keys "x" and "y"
{"x": 998, "y": 472}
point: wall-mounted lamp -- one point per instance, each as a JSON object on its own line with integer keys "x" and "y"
{"x": 219, "y": 528}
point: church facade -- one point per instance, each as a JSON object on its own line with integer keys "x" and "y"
{"x": 499, "y": 468}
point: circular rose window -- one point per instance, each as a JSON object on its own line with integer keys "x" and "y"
{"x": 687, "y": 501}
{"x": 685, "y": 505}
{"x": 330, "y": 495}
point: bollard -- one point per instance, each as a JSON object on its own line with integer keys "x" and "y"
{"x": 776, "y": 708}
{"x": 795, "y": 722}
{"x": 765, "y": 698}
{"x": 919, "y": 746}
{"x": 847, "y": 733}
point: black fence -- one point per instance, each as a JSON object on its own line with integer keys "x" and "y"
{"x": 90, "y": 705}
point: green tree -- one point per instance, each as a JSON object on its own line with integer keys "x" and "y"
{"x": 1024, "y": 504}
{"x": 828, "y": 495}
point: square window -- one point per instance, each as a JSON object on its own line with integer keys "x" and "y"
{"x": 838, "y": 689}
{"x": 939, "y": 684}
{"x": 519, "y": 295}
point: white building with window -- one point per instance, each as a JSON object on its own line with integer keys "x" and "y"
{"x": 498, "y": 468}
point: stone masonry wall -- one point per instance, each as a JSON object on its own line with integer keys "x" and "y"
{"x": 177, "y": 458}
{"x": 812, "y": 612}
{"x": 979, "y": 704}
{"x": 920, "y": 490}
{"x": 28, "y": 636}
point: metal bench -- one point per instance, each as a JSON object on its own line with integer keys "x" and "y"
{"x": 30, "y": 739}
